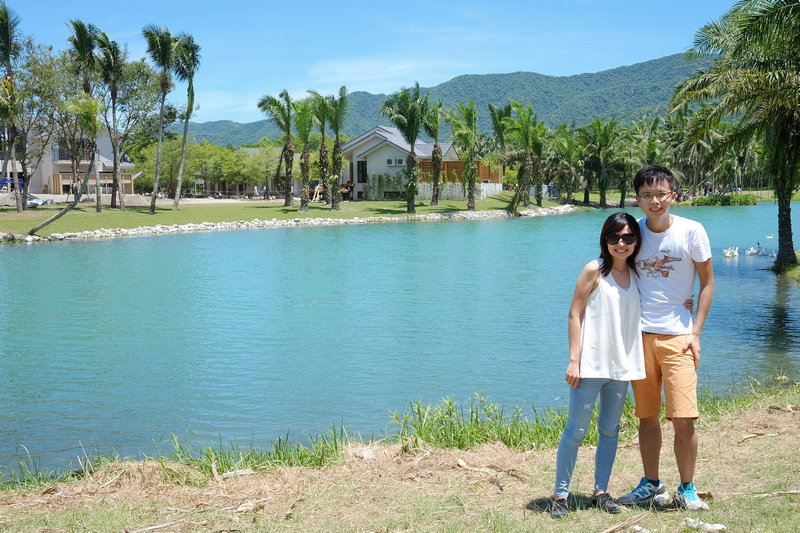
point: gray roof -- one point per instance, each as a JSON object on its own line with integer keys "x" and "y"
{"x": 393, "y": 136}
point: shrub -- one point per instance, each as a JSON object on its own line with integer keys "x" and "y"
{"x": 727, "y": 199}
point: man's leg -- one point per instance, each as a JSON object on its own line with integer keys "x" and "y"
{"x": 685, "y": 448}
{"x": 650, "y": 445}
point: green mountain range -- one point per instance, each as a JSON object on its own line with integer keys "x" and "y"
{"x": 626, "y": 93}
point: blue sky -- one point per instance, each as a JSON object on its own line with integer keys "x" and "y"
{"x": 254, "y": 48}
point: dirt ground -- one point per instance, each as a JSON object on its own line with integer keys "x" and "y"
{"x": 742, "y": 453}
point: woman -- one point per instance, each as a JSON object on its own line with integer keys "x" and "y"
{"x": 605, "y": 352}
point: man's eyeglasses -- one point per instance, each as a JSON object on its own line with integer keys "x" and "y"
{"x": 661, "y": 196}
{"x": 627, "y": 238}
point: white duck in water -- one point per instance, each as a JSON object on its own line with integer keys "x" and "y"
{"x": 772, "y": 254}
{"x": 730, "y": 252}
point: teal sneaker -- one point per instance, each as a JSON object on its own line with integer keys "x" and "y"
{"x": 688, "y": 499}
{"x": 645, "y": 493}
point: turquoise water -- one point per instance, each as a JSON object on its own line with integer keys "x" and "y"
{"x": 114, "y": 346}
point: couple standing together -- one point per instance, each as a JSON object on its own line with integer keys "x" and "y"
{"x": 631, "y": 320}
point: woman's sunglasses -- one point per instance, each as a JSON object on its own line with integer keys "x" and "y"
{"x": 613, "y": 238}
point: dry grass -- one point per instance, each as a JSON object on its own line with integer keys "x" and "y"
{"x": 744, "y": 453}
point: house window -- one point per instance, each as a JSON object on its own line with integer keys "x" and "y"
{"x": 361, "y": 171}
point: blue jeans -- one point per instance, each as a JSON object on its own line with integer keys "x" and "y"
{"x": 581, "y": 404}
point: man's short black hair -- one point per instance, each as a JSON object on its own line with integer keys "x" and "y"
{"x": 651, "y": 174}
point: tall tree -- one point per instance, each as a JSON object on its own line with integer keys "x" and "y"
{"x": 83, "y": 42}
{"x": 161, "y": 50}
{"x": 527, "y": 132}
{"x": 321, "y": 112}
{"x": 433, "y": 127}
{"x": 187, "y": 61}
{"x": 83, "y": 55}
{"x": 280, "y": 111}
{"x": 603, "y": 142}
{"x": 337, "y": 112}
{"x": 498, "y": 115}
{"x": 111, "y": 61}
{"x": 137, "y": 96}
{"x": 754, "y": 57}
{"x": 38, "y": 99}
{"x": 463, "y": 122}
{"x": 10, "y": 47}
{"x": 407, "y": 110}
{"x": 568, "y": 160}
{"x": 304, "y": 122}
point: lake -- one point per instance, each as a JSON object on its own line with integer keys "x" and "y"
{"x": 115, "y": 346}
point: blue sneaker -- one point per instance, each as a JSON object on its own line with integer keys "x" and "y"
{"x": 645, "y": 493}
{"x": 688, "y": 499}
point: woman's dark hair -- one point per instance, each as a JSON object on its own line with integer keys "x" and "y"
{"x": 614, "y": 224}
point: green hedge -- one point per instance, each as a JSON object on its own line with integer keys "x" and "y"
{"x": 727, "y": 199}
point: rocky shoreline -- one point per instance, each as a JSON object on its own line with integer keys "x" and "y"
{"x": 149, "y": 231}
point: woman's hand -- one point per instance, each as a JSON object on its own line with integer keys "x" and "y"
{"x": 573, "y": 373}
{"x": 689, "y": 304}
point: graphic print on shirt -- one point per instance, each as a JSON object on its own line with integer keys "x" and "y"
{"x": 657, "y": 265}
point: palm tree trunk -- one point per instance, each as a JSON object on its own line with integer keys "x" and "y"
{"x": 15, "y": 180}
{"x": 603, "y": 184}
{"x": 436, "y": 162}
{"x": 183, "y": 159}
{"x": 74, "y": 202}
{"x": 288, "y": 156}
{"x": 305, "y": 170}
{"x": 336, "y": 176}
{"x": 323, "y": 172}
{"x": 98, "y": 190}
{"x": 411, "y": 186}
{"x": 158, "y": 154}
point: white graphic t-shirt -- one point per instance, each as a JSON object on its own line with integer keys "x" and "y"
{"x": 667, "y": 274}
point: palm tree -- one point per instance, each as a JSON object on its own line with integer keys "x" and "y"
{"x": 320, "y": 109}
{"x": 433, "y": 127}
{"x": 304, "y": 122}
{"x": 498, "y": 115}
{"x": 87, "y": 114}
{"x": 112, "y": 72}
{"x": 161, "y": 49}
{"x": 754, "y": 58}
{"x": 82, "y": 54}
{"x": 603, "y": 142}
{"x": 187, "y": 61}
{"x": 337, "y": 111}
{"x": 407, "y": 110}
{"x": 84, "y": 59}
{"x": 528, "y": 133}
{"x": 10, "y": 48}
{"x": 280, "y": 111}
{"x": 568, "y": 160}
{"x": 463, "y": 122}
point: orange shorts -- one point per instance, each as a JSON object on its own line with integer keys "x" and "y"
{"x": 664, "y": 363}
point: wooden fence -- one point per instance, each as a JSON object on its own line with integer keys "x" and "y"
{"x": 485, "y": 174}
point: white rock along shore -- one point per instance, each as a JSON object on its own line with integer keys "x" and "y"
{"x": 149, "y": 231}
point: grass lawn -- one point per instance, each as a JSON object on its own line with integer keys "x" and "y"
{"x": 85, "y": 218}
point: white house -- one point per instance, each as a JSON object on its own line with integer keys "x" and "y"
{"x": 382, "y": 150}
{"x": 54, "y": 173}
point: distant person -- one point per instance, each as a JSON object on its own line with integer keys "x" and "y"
{"x": 674, "y": 251}
{"x": 605, "y": 352}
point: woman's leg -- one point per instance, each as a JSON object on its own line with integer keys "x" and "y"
{"x": 612, "y": 401}
{"x": 581, "y": 404}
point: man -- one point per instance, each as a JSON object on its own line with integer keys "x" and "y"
{"x": 673, "y": 250}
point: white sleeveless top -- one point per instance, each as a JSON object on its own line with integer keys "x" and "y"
{"x": 611, "y": 335}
